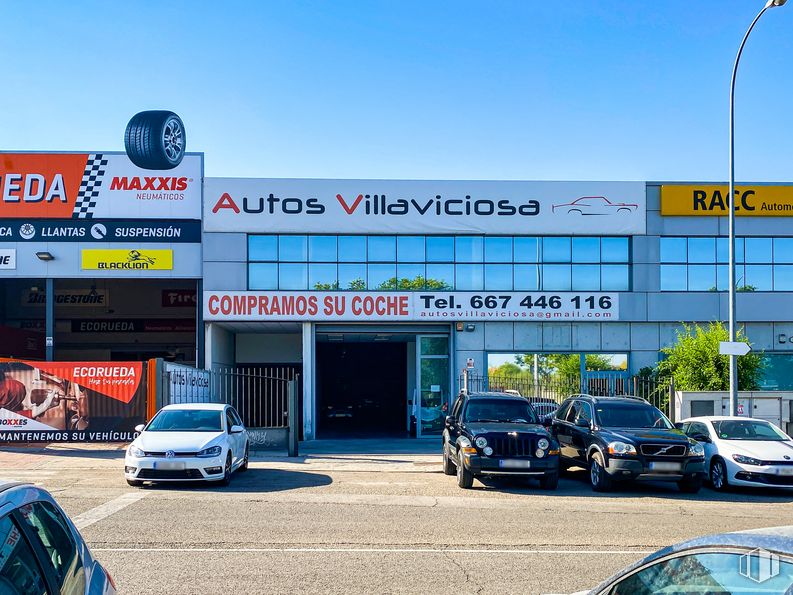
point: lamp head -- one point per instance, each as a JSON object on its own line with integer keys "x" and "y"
{"x": 773, "y": 3}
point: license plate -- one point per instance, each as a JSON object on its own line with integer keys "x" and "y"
{"x": 169, "y": 465}
{"x": 664, "y": 466}
{"x": 784, "y": 471}
{"x": 514, "y": 464}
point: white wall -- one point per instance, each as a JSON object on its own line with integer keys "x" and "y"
{"x": 270, "y": 348}
{"x": 219, "y": 347}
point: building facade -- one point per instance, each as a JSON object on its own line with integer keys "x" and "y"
{"x": 377, "y": 286}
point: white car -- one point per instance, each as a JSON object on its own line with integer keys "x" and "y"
{"x": 192, "y": 442}
{"x": 743, "y": 451}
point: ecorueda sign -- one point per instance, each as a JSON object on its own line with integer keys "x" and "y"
{"x": 411, "y": 206}
{"x": 427, "y": 306}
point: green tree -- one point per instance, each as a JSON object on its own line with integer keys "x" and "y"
{"x": 563, "y": 364}
{"x": 694, "y": 361}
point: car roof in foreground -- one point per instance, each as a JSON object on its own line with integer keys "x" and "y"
{"x": 722, "y": 418}
{"x": 774, "y": 539}
{"x": 197, "y": 406}
{"x": 7, "y": 485}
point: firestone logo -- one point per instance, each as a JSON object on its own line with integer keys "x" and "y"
{"x": 154, "y": 183}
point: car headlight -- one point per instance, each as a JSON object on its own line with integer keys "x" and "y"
{"x": 621, "y": 448}
{"x": 746, "y": 460}
{"x": 543, "y": 444}
{"x": 488, "y": 451}
{"x": 695, "y": 449}
{"x": 481, "y": 442}
{"x": 212, "y": 451}
{"x": 134, "y": 451}
{"x": 539, "y": 453}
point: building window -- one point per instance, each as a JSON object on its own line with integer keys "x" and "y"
{"x": 465, "y": 263}
{"x": 700, "y": 264}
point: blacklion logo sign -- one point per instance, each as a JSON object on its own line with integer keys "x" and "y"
{"x": 408, "y": 206}
{"x": 161, "y": 260}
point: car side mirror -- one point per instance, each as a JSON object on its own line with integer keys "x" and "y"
{"x": 701, "y": 438}
{"x": 583, "y": 423}
{"x": 450, "y": 420}
{"x": 679, "y": 425}
{"x": 237, "y": 430}
{"x": 139, "y": 428}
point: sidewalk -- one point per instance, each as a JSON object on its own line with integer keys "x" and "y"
{"x": 408, "y": 456}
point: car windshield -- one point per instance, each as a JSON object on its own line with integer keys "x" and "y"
{"x": 612, "y": 415}
{"x": 733, "y": 429}
{"x": 186, "y": 420}
{"x": 499, "y": 410}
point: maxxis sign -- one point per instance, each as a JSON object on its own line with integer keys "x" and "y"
{"x": 96, "y": 186}
{"x": 411, "y": 206}
{"x": 429, "y": 306}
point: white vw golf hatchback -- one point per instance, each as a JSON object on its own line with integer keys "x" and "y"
{"x": 192, "y": 442}
{"x": 743, "y": 451}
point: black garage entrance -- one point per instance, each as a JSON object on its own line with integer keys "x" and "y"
{"x": 381, "y": 384}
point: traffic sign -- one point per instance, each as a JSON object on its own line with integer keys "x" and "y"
{"x": 734, "y": 348}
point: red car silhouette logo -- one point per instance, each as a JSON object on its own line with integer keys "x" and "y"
{"x": 594, "y": 205}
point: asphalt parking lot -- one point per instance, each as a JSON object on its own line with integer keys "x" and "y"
{"x": 387, "y": 523}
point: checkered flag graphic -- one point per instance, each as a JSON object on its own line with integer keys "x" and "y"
{"x": 89, "y": 187}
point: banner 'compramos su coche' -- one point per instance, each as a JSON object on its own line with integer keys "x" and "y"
{"x": 71, "y": 401}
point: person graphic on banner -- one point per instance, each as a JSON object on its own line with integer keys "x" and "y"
{"x": 78, "y": 408}
{"x": 13, "y": 394}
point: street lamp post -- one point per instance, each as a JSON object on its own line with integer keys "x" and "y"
{"x": 731, "y": 290}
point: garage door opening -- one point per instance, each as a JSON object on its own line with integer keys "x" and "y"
{"x": 362, "y": 386}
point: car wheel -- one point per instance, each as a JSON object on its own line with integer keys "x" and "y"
{"x": 244, "y": 465}
{"x": 574, "y": 212}
{"x": 135, "y": 483}
{"x": 155, "y": 140}
{"x": 690, "y": 485}
{"x": 465, "y": 479}
{"x": 598, "y": 477}
{"x": 549, "y": 481}
{"x": 226, "y": 471}
{"x": 448, "y": 464}
{"x": 718, "y": 475}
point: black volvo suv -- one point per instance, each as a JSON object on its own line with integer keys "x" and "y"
{"x": 624, "y": 438}
{"x": 498, "y": 434}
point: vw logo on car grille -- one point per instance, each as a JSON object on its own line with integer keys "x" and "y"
{"x": 169, "y": 454}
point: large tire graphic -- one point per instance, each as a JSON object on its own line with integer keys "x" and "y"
{"x": 155, "y": 140}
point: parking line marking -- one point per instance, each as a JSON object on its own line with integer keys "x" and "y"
{"x": 368, "y": 550}
{"x": 89, "y": 517}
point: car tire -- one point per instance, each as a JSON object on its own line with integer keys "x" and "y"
{"x": 155, "y": 140}
{"x": 549, "y": 481}
{"x": 226, "y": 471}
{"x": 598, "y": 477}
{"x": 465, "y": 479}
{"x": 690, "y": 485}
{"x": 135, "y": 483}
{"x": 449, "y": 467}
{"x": 718, "y": 475}
{"x": 244, "y": 465}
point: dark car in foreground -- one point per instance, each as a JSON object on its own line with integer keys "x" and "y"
{"x": 625, "y": 438}
{"x": 498, "y": 434}
{"x": 41, "y": 551}
{"x": 759, "y": 562}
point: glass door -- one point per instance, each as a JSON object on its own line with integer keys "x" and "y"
{"x": 432, "y": 370}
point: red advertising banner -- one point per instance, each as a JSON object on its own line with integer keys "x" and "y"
{"x": 71, "y": 401}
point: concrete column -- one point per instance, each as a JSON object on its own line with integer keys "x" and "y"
{"x": 309, "y": 395}
{"x": 49, "y": 322}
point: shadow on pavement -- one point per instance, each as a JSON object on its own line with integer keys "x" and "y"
{"x": 252, "y": 481}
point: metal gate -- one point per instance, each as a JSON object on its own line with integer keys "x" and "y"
{"x": 547, "y": 393}
{"x": 263, "y": 397}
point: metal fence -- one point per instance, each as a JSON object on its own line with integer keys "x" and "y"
{"x": 547, "y": 393}
{"x": 259, "y": 394}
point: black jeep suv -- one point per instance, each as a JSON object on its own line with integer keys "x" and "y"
{"x": 498, "y": 434}
{"x": 624, "y": 438}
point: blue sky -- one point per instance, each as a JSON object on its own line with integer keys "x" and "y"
{"x": 573, "y": 90}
